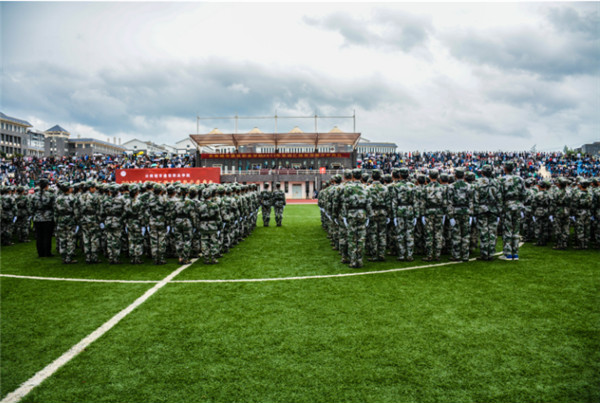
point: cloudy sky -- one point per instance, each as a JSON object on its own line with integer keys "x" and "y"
{"x": 427, "y": 76}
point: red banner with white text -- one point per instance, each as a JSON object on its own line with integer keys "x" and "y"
{"x": 183, "y": 175}
{"x": 273, "y": 155}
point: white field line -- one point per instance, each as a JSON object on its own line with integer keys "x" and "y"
{"x": 45, "y": 373}
{"x": 80, "y": 280}
{"x": 242, "y": 280}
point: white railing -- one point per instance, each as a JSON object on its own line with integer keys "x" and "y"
{"x": 283, "y": 172}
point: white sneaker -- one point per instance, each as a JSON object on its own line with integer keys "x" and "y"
{"x": 506, "y": 257}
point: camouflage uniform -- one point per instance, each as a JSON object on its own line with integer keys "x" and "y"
{"x": 581, "y": 203}
{"x": 487, "y": 201}
{"x": 596, "y": 212}
{"x": 114, "y": 211}
{"x": 266, "y": 201}
{"x": 337, "y": 214}
{"x": 540, "y": 214}
{"x": 404, "y": 214}
{"x": 157, "y": 225}
{"x": 528, "y": 226}
{"x": 460, "y": 213}
{"x": 474, "y": 236}
{"x": 210, "y": 224}
{"x": 90, "y": 218}
{"x": 278, "y": 204}
{"x": 9, "y": 216}
{"x": 183, "y": 227}
{"x": 379, "y": 199}
{"x": 356, "y": 209}
{"x": 513, "y": 195}
{"x": 170, "y": 214}
{"x": 64, "y": 216}
{"x": 23, "y": 223}
{"x": 135, "y": 229}
{"x": 43, "y": 219}
{"x": 435, "y": 206}
{"x": 560, "y": 208}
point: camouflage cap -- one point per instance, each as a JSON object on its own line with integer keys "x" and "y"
{"x": 347, "y": 174}
{"x": 357, "y": 173}
{"x": 470, "y": 176}
{"x": 365, "y": 176}
{"x": 206, "y": 193}
{"x": 387, "y": 178}
{"x": 337, "y": 178}
{"x": 459, "y": 172}
{"x": 434, "y": 173}
{"x": 376, "y": 174}
{"x": 404, "y": 172}
{"x": 221, "y": 189}
{"x": 487, "y": 169}
{"x": 509, "y": 165}
{"x": 124, "y": 187}
{"x": 444, "y": 177}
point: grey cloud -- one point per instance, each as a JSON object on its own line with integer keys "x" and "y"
{"x": 401, "y": 30}
{"x": 552, "y": 54}
{"x": 584, "y": 19}
{"x": 109, "y": 100}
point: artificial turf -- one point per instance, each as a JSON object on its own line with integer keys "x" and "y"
{"x": 477, "y": 331}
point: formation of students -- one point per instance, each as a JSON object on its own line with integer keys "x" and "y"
{"x": 428, "y": 213}
{"x": 133, "y": 220}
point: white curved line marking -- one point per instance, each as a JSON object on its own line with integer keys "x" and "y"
{"x": 51, "y": 368}
{"x": 80, "y": 280}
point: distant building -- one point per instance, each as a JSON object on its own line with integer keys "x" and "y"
{"x": 56, "y": 143}
{"x": 91, "y": 146}
{"x": 13, "y": 135}
{"x": 147, "y": 147}
{"x": 169, "y": 149}
{"x": 592, "y": 149}
{"x": 35, "y": 143}
{"x": 185, "y": 146}
{"x": 366, "y": 146}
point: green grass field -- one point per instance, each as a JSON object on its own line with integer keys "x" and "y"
{"x": 468, "y": 332}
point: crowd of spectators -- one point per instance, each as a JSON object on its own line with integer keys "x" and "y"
{"x": 27, "y": 170}
{"x": 528, "y": 164}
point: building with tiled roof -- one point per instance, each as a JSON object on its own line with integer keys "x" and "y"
{"x": 13, "y": 135}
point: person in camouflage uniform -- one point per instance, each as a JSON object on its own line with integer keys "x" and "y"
{"x": 513, "y": 192}
{"x": 184, "y": 208}
{"x": 356, "y": 209}
{"x": 337, "y": 201}
{"x": 596, "y": 211}
{"x": 43, "y": 218}
{"x": 487, "y": 201}
{"x": 404, "y": 214}
{"x": 278, "y": 203}
{"x": 9, "y": 216}
{"x": 210, "y": 224}
{"x": 157, "y": 224}
{"x": 581, "y": 206}
{"x": 379, "y": 199}
{"x": 114, "y": 212}
{"x": 66, "y": 227}
{"x": 170, "y": 214}
{"x": 470, "y": 178}
{"x": 527, "y": 225}
{"x": 540, "y": 213}
{"x": 391, "y": 244}
{"x": 460, "y": 213}
{"x": 421, "y": 182}
{"x": 266, "y": 201}
{"x": 144, "y": 196}
{"x": 444, "y": 180}
{"x": 23, "y": 222}
{"x": 103, "y": 196}
{"x": 435, "y": 205}
{"x": 560, "y": 207}
{"x": 89, "y": 222}
{"x": 134, "y": 212}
